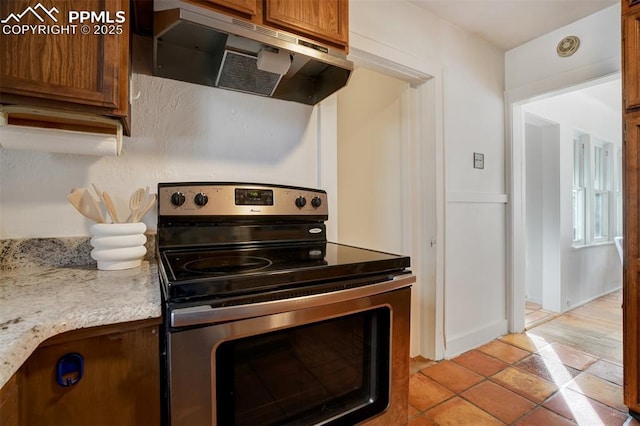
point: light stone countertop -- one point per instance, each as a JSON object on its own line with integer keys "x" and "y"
{"x": 37, "y": 303}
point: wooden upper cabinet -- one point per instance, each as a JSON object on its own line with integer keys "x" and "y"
{"x": 323, "y": 20}
{"x": 81, "y": 66}
{"x": 631, "y": 59}
{"x": 628, "y": 5}
{"x": 247, "y": 7}
{"x": 326, "y": 21}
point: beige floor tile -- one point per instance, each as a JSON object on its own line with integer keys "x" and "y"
{"x": 480, "y": 362}
{"x": 501, "y": 403}
{"x": 525, "y": 384}
{"x": 503, "y": 351}
{"x": 425, "y": 393}
{"x": 422, "y": 421}
{"x": 543, "y": 417}
{"x": 526, "y": 341}
{"x": 608, "y": 371}
{"x": 601, "y": 390}
{"x": 568, "y": 355}
{"x": 452, "y": 376}
{"x": 584, "y": 410}
{"x": 550, "y": 369}
{"x": 457, "y": 412}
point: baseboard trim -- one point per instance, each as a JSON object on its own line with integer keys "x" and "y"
{"x": 473, "y": 338}
{"x": 592, "y": 298}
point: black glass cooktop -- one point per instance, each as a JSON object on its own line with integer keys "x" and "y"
{"x": 222, "y": 273}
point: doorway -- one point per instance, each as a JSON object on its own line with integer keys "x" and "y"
{"x": 570, "y": 194}
{"x": 542, "y": 188}
{"x": 387, "y": 180}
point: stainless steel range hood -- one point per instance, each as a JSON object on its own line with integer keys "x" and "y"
{"x": 198, "y": 45}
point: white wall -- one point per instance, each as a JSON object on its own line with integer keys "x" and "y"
{"x": 543, "y": 274}
{"x": 180, "y": 132}
{"x": 551, "y": 217}
{"x": 532, "y": 70}
{"x": 534, "y": 194}
{"x": 370, "y": 165}
{"x": 469, "y": 118}
{"x": 534, "y": 67}
{"x": 475, "y": 225}
{"x": 589, "y": 272}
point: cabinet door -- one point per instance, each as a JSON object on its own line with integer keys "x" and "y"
{"x": 627, "y": 5}
{"x": 247, "y": 7}
{"x": 120, "y": 385}
{"x": 323, "y": 20}
{"x": 69, "y": 67}
{"x": 10, "y": 401}
{"x": 631, "y": 264}
{"x": 631, "y": 59}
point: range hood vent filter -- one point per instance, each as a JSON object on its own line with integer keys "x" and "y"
{"x": 240, "y": 72}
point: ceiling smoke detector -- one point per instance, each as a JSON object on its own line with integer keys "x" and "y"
{"x": 568, "y": 46}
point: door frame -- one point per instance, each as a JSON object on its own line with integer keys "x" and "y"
{"x": 515, "y": 124}
{"x": 422, "y": 126}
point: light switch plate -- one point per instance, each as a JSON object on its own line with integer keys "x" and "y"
{"x": 478, "y": 160}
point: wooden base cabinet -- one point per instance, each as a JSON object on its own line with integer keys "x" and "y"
{"x": 631, "y": 197}
{"x": 631, "y": 270}
{"x": 10, "y": 402}
{"x": 120, "y": 383}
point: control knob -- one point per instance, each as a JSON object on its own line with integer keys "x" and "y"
{"x": 301, "y": 202}
{"x": 178, "y": 199}
{"x": 316, "y": 202}
{"x": 201, "y": 199}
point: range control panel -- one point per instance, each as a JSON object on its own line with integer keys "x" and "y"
{"x": 239, "y": 199}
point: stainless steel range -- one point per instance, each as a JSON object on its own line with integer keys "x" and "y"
{"x": 268, "y": 323}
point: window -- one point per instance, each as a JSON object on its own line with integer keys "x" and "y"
{"x": 601, "y": 176}
{"x": 597, "y": 190}
{"x": 618, "y": 168}
{"x": 578, "y": 188}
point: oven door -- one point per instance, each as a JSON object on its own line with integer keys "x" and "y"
{"x": 338, "y": 358}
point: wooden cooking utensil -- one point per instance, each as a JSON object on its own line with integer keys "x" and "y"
{"x": 149, "y": 202}
{"x": 101, "y": 202}
{"x": 111, "y": 208}
{"x": 82, "y": 200}
{"x": 135, "y": 202}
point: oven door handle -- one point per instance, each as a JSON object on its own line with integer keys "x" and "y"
{"x": 198, "y": 315}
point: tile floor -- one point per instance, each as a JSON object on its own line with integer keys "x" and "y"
{"x": 519, "y": 379}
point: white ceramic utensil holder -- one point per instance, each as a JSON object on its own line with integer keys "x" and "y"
{"x": 118, "y": 245}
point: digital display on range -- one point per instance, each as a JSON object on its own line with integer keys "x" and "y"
{"x": 254, "y": 197}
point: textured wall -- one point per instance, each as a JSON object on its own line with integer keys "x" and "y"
{"x": 181, "y": 132}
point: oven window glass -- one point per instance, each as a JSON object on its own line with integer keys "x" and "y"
{"x": 331, "y": 371}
